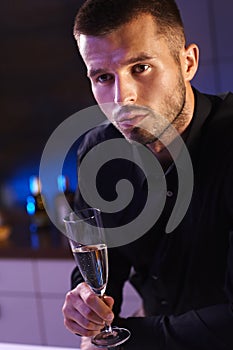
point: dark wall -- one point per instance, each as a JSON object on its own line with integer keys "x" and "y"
{"x": 43, "y": 78}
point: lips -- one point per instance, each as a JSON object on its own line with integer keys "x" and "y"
{"x": 129, "y": 122}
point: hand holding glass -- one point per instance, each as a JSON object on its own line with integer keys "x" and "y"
{"x": 87, "y": 240}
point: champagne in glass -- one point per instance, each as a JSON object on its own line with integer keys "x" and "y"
{"x": 92, "y": 263}
{"x": 87, "y": 240}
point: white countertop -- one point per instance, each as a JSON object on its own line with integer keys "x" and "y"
{"x": 12, "y": 346}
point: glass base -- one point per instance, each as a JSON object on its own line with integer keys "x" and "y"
{"x": 116, "y": 337}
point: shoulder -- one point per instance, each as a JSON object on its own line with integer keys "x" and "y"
{"x": 222, "y": 109}
{"x": 219, "y": 124}
{"x": 213, "y": 141}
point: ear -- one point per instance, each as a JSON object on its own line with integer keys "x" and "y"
{"x": 190, "y": 60}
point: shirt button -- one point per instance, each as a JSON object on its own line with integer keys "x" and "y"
{"x": 169, "y": 193}
{"x": 155, "y": 277}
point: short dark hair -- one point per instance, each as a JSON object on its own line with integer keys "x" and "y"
{"x": 101, "y": 17}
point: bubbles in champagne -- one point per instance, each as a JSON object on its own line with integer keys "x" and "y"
{"x": 92, "y": 263}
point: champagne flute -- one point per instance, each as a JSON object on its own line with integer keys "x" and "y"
{"x": 85, "y": 231}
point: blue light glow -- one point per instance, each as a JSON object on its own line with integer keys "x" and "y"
{"x": 16, "y": 188}
{"x": 34, "y": 184}
{"x": 31, "y": 205}
{"x": 61, "y": 183}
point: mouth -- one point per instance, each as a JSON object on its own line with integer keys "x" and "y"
{"x": 130, "y": 121}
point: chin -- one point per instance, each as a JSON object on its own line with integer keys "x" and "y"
{"x": 137, "y": 135}
{"x": 143, "y": 138}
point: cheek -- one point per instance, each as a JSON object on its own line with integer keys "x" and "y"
{"x": 106, "y": 107}
{"x": 157, "y": 89}
{"x": 153, "y": 86}
{"x": 103, "y": 98}
{"x": 101, "y": 95}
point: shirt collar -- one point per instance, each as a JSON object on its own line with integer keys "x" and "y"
{"x": 202, "y": 110}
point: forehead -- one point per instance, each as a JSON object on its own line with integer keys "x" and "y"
{"x": 139, "y": 35}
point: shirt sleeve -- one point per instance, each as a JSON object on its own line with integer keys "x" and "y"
{"x": 203, "y": 329}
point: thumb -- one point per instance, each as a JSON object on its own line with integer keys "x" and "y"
{"x": 108, "y": 301}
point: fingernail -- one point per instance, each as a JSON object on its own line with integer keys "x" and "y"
{"x": 109, "y": 317}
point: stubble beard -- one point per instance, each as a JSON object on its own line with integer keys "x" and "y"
{"x": 172, "y": 115}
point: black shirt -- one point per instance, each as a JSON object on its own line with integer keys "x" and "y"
{"x": 185, "y": 277}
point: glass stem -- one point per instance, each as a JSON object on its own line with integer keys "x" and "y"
{"x": 107, "y": 326}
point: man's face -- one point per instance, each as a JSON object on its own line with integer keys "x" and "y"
{"x": 135, "y": 79}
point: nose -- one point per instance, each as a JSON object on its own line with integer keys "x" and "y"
{"x": 125, "y": 91}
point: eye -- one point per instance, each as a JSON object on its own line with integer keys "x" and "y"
{"x": 140, "y": 68}
{"x": 104, "y": 78}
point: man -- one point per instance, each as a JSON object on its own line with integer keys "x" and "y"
{"x": 140, "y": 71}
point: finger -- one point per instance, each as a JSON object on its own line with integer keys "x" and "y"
{"x": 108, "y": 301}
{"x": 87, "y": 345}
{"x": 79, "y": 330}
{"x": 78, "y": 324}
{"x": 76, "y": 310}
{"x": 96, "y": 304}
{"x": 88, "y": 318}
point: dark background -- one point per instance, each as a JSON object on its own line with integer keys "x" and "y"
{"x": 42, "y": 83}
{"x": 43, "y": 78}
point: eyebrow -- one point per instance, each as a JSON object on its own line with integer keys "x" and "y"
{"x": 139, "y": 58}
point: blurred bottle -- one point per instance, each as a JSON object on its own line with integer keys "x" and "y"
{"x": 64, "y": 200}
{"x": 5, "y": 229}
{"x": 35, "y": 205}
